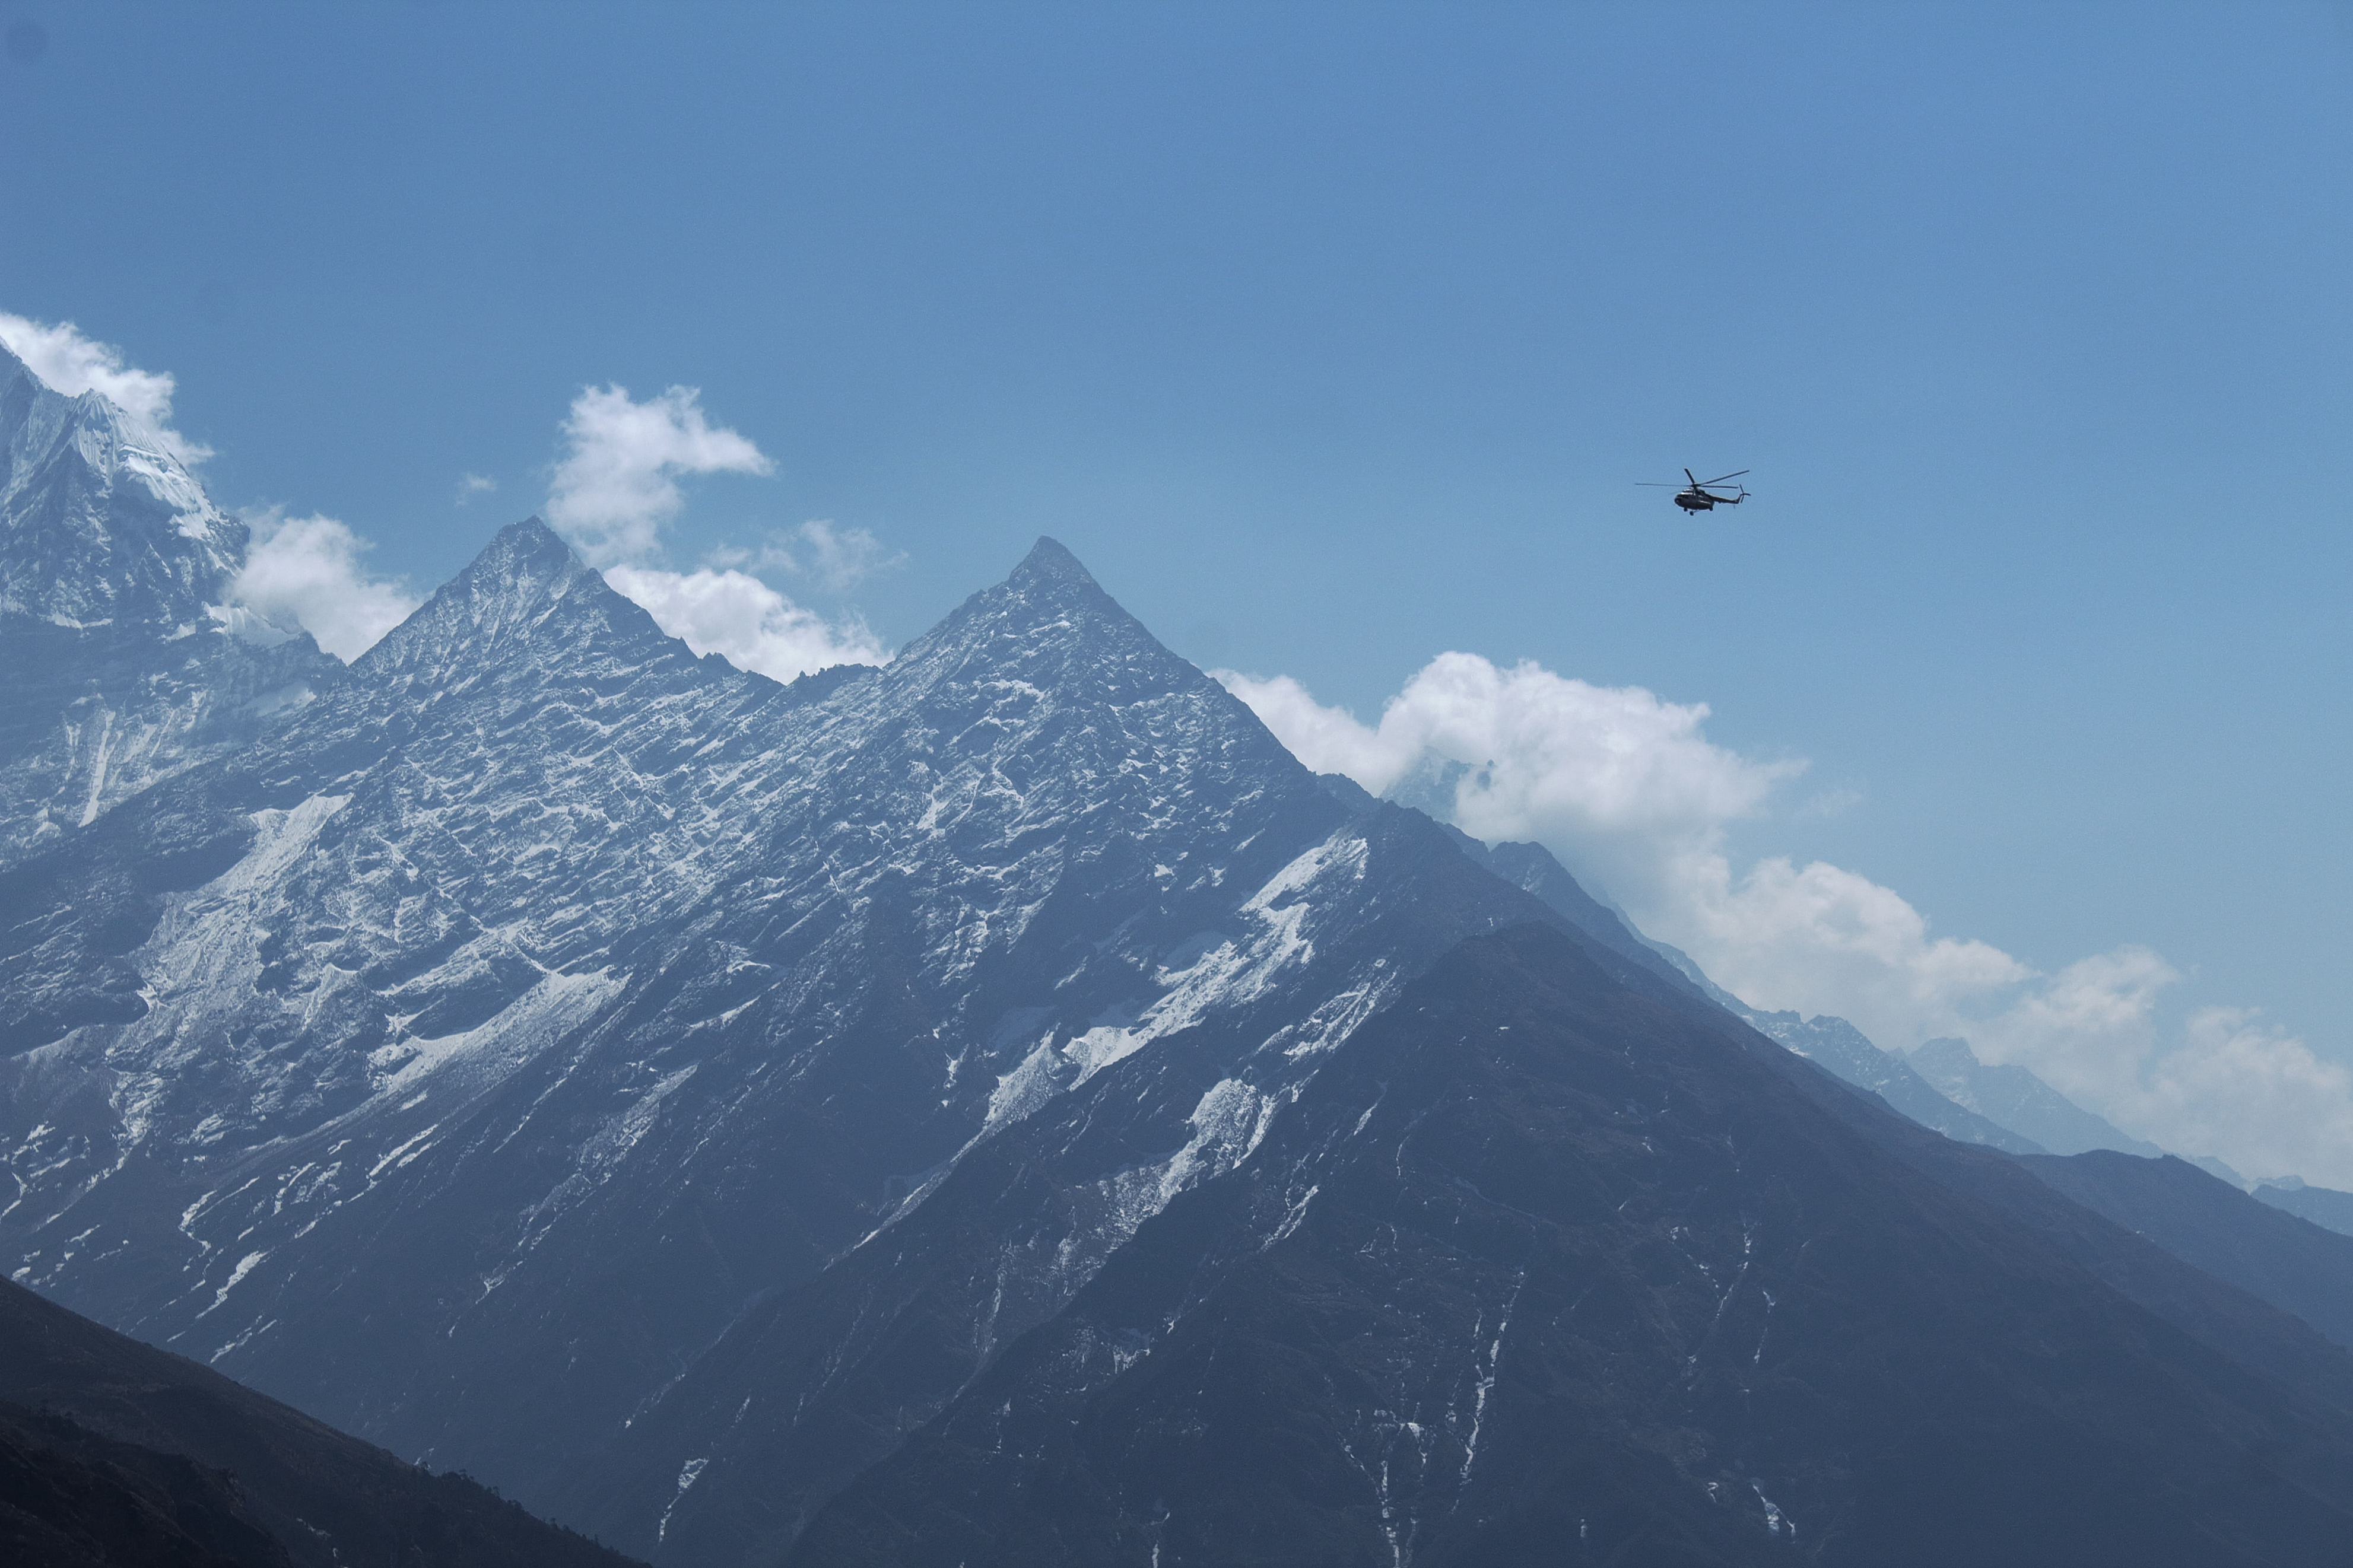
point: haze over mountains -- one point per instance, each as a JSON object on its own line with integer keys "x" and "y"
{"x": 999, "y": 1106}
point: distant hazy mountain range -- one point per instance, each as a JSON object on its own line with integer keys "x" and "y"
{"x": 1000, "y": 1108}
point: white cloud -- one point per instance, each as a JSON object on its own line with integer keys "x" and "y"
{"x": 617, "y": 483}
{"x": 472, "y": 485}
{"x": 1629, "y": 793}
{"x": 615, "y": 490}
{"x": 2255, "y": 1093}
{"x": 306, "y": 571}
{"x": 2091, "y": 1030}
{"x": 741, "y": 618}
{"x": 71, "y": 363}
{"x": 1627, "y": 789}
{"x": 1619, "y": 782}
{"x": 1820, "y": 938}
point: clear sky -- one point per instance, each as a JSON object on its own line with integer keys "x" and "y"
{"x": 1336, "y": 337}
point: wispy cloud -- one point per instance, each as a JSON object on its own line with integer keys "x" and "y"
{"x": 837, "y": 558}
{"x": 472, "y": 485}
{"x": 71, "y": 362}
{"x": 308, "y": 571}
{"x": 1629, "y": 791}
{"x": 841, "y": 558}
{"x": 1828, "y": 803}
{"x": 617, "y": 485}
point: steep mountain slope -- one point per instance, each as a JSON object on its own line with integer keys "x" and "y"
{"x": 2329, "y": 1209}
{"x": 125, "y": 663}
{"x": 1538, "y": 1269}
{"x": 1846, "y": 1051}
{"x": 1831, "y": 1041}
{"x": 2014, "y": 1098}
{"x": 72, "y": 1499}
{"x": 465, "y": 1060}
{"x": 2297, "y": 1265}
{"x": 114, "y": 1452}
{"x": 807, "y": 1388}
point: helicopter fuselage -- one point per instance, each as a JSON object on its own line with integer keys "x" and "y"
{"x": 1697, "y": 497}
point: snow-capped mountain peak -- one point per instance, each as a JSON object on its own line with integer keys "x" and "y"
{"x": 524, "y": 601}
{"x": 129, "y": 663}
{"x": 100, "y": 523}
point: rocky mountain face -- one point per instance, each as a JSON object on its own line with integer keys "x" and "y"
{"x": 549, "y": 1010}
{"x": 1002, "y": 1103}
{"x": 126, "y": 659}
{"x": 113, "y": 1454}
{"x": 126, "y": 654}
{"x": 1540, "y": 1269}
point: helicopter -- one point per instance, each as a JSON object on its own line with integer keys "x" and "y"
{"x": 1697, "y": 498}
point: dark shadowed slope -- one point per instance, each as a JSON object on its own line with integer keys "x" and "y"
{"x": 1539, "y": 1271}
{"x": 72, "y": 1499}
{"x": 113, "y": 1452}
{"x": 1831, "y": 1042}
{"x": 2297, "y": 1265}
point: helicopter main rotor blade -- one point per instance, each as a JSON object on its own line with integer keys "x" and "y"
{"x": 1659, "y": 484}
{"x": 1720, "y": 477}
{"x": 1687, "y": 474}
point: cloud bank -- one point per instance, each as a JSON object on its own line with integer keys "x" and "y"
{"x": 1626, "y": 788}
{"x": 72, "y": 364}
{"x": 615, "y": 490}
{"x": 307, "y": 571}
{"x": 753, "y": 626}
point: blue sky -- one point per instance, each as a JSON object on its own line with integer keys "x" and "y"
{"x": 1336, "y": 337}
